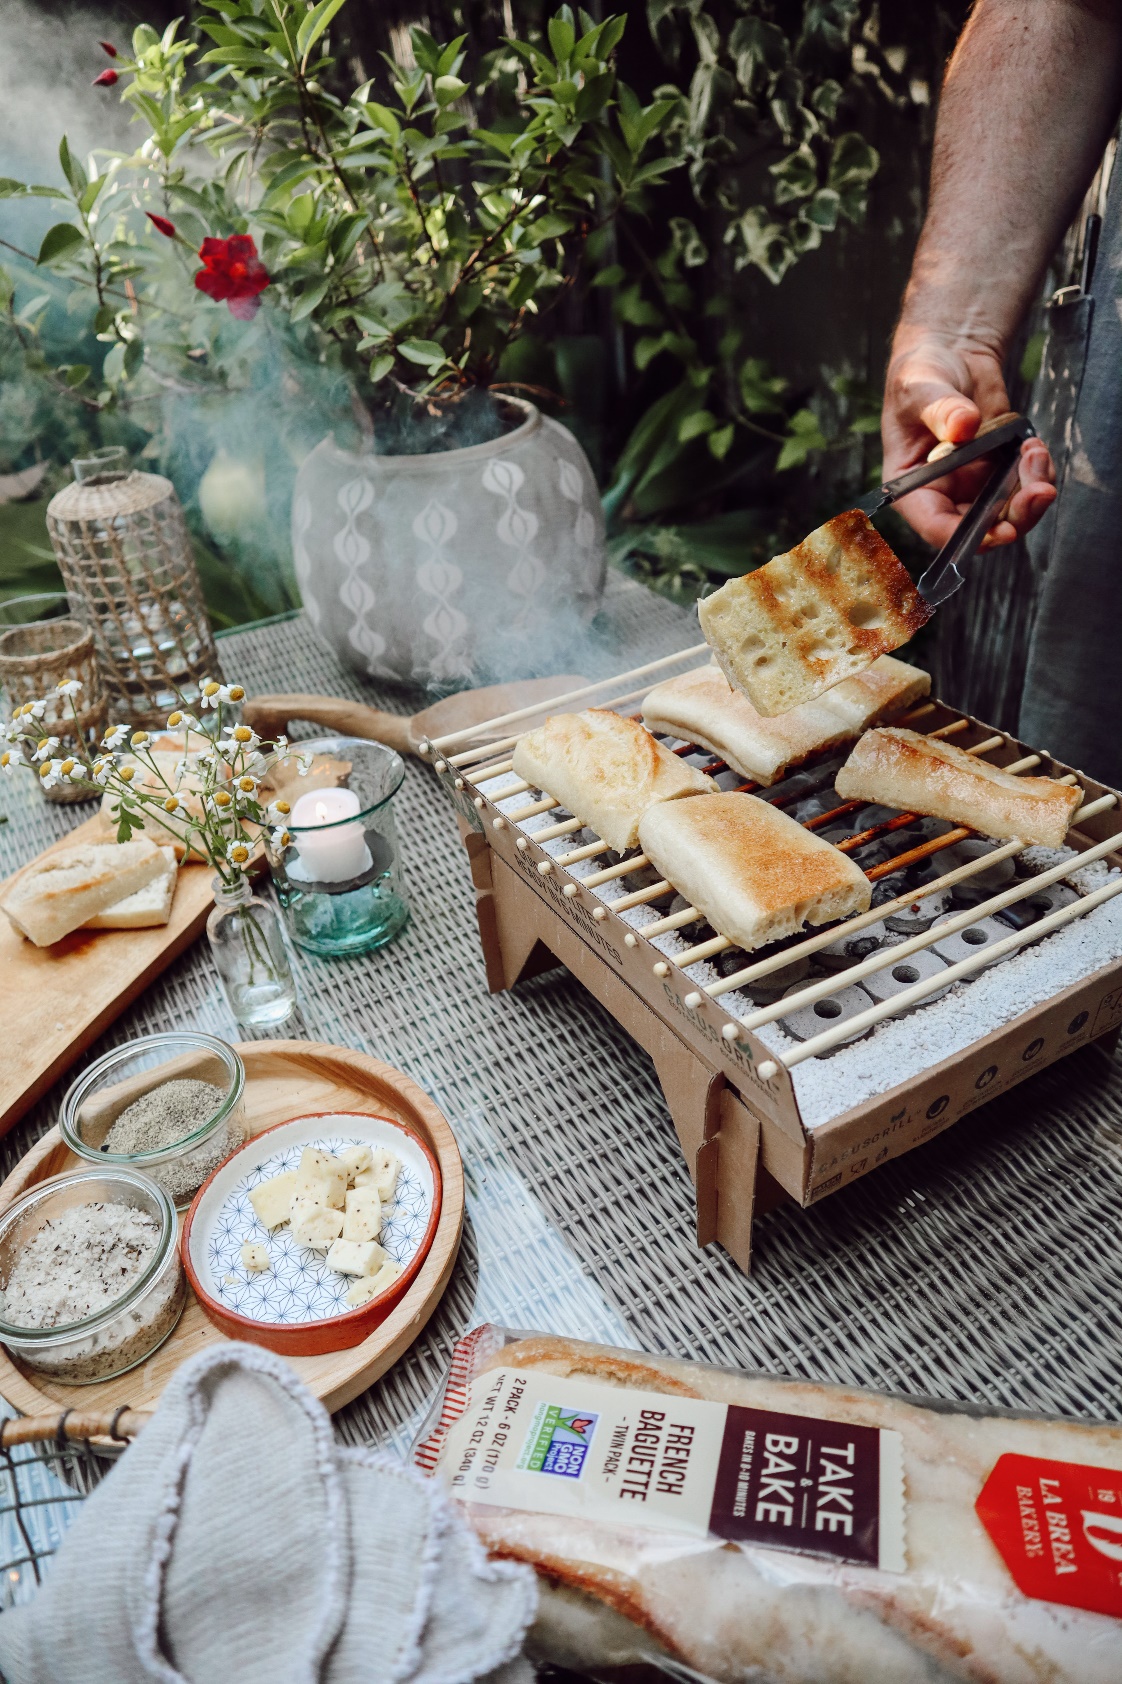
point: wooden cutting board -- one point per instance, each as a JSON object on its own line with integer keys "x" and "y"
{"x": 284, "y": 1079}
{"x": 270, "y": 714}
{"x": 55, "y": 1001}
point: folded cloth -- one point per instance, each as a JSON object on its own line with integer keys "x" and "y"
{"x": 236, "y": 1540}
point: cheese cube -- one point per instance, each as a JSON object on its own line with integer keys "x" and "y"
{"x": 272, "y": 1201}
{"x": 382, "y": 1174}
{"x": 315, "y": 1224}
{"x": 370, "y": 1286}
{"x": 255, "y": 1257}
{"x": 363, "y": 1218}
{"x": 321, "y": 1176}
{"x": 355, "y": 1159}
{"x": 356, "y": 1257}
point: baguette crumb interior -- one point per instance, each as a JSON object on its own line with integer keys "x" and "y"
{"x": 900, "y": 768}
{"x": 820, "y": 613}
{"x": 755, "y": 873}
{"x": 606, "y": 770}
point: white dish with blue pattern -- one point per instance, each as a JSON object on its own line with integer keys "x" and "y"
{"x": 299, "y": 1287}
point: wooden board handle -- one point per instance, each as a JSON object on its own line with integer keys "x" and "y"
{"x": 269, "y": 715}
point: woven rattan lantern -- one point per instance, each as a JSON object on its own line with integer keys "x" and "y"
{"x": 122, "y": 545}
{"x": 34, "y": 660}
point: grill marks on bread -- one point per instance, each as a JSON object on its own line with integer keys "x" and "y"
{"x": 756, "y": 874}
{"x": 900, "y": 768}
{"x": 606, "y": 770}
{"x": 818, "y": 614}
{"x": 705, "y": 709}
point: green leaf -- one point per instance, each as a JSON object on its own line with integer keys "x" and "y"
{"x": 88, "y": 197}
{"x": 309, "y": 300}
{"x": 314, "y": 25}
{"x": 448, "y": 88}
{"x": 822, "y": 210}
{"x": 57, "y": 241}
{"x": 611, "y": 276}
{"x": 379, "y": 368}
{"x": 795, "y": 176}
{"x": 71, "y": 169}
{"x": 853, "y": 161}
{"x": 804, "y": 436}
{"x": 74, "y": 373}
{"x": 10, "y": 189}
{"x": 693, "y": 426}
{"x": 720, "y": 441}
{"x": 424, "y": 351}
{"x": 143, "y": 37}
{"x": 382, "y": 119}
{"x": 562, "y": 35}
{"x": 134, "y": 357}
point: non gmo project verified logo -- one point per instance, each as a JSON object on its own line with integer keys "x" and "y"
{"x": 558, "y": 1441}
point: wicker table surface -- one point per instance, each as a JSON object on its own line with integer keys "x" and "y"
{"x": 985, "y": 1266}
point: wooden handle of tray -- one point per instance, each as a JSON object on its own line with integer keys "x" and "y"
{"x": 120, "y": 1424}
{"x": 269, "y": 715}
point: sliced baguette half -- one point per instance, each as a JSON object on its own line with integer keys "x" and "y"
{"x": 899, "y": 768}
{"x": 704, "y": 708}
{"x": 818, "y": 614}
{"x": 606, "y": 770}
{"x": 56, "y": 893}
{"x": 147, "y": 908}
{"x": 756, "y": 874}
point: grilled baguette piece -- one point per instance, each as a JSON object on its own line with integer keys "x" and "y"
{"x": 756, "y": 874}
{"x": 617, "y": 1594}
{"x": 899, "y": 768}
{"x": 606, "y": 770}
{"x": 57, "y": 893}
{"x": 704, "y": 708}
{"x": 820, "y": 613}
{"x": 147, "y": 908}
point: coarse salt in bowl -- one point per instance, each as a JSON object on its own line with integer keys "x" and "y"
{"x": 121, "y": 1093}
{"x": 122, "y": 1329}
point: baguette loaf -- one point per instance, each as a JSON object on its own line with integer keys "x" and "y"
{"x": 899, "y": 768}
{"x": 58, "y": 892}
{"x": 147, "y": 908}
{"x": 704, "y": 708}
{"x": 820, "y": 613}
{"x": 756, "y": 874}
{"x": 606, "y": 770}
{"x": 619, "y": 1593}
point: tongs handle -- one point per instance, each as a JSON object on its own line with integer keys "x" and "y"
{"x": 944, "y": 574}
{"x": 1009, "y": 429}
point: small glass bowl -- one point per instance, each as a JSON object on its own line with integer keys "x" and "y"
{"x": 125, "y": 1332}
{"x": 126, "y": 1074}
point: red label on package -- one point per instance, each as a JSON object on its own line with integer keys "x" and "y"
{"x": 1058, "y": 1527}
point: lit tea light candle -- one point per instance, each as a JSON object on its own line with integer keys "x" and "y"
{"x": 338, "y": 851}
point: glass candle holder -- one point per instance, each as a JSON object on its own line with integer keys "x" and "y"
{"x": 339, "y": 879}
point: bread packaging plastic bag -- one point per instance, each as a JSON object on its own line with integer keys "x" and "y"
{"x": 724, "y": 1526}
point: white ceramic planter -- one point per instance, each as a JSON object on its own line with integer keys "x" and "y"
{"x": 438, "y": 569}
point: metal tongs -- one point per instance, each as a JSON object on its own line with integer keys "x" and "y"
{"x": 1000, "y": 439}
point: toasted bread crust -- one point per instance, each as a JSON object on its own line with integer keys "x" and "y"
{"x": 813, "y": 616}
{"x": 919, "y": 774}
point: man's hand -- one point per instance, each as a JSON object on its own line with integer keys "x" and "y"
{"x": 942, "y": 389}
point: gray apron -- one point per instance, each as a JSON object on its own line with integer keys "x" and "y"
{"x": 1072, "y": 699}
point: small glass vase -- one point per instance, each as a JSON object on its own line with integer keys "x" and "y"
{"x": 248, "y": 947}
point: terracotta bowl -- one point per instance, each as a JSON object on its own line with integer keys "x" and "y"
{"x": 297, "y": 1307}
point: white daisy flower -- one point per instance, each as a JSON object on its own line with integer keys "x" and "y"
{"x": 115, "y": 736}
{"x": 11, "y": 730}
{"x": 231, "y": 693}
{"x": 174, "y": 804}
{"x": 69, "y": 687}
{"x": 35, "y": 709}
{"x": 280, "y": 743}
{"x": 280, "y": 838}
{"x": 46, "y": 748}
{"x": 210, "y": 693}
{"x": 221, "y": 802}
{"x": 9, "y": 761}
{"x": 49, "y": 773}
{"x": 277, "y": 811}
{"x": 101, "y": 769}
{"x": 304, "y": 764}
{"x": 242, "y": 738}
{"x": 238, "y": 853}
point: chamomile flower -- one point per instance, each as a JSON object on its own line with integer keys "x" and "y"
{"x": 174, "y": 804}
{"x": 115, "y": 736}
{"x": 246, "y": 739}
{"x": 138, "y": 739}
{"x": 304, "y": 764}
{"x": 71, "y": 770}
{"x": 101, "y": 769}
{"x": 278, "y": 811}
{"x": 231, "y": 693}
{"x": 280, "y": 838}
{"x": 69, "y": 687}
{"x": 11, "y": 730}
{"x": 280, "y": 743}
{"x": 9, "y": 761}
{"x": 174, "y": 720}
{"x": 210, "y": 693}
{"x": 46, "y": 748}
{"x": 35, "y": 710}
{"x": 238, "y": 853}
{"x": 50, "y": 772}
{"x": 221, "y": 801}
{"x": 246, "y": 784}
{"x": 126, "y": 773}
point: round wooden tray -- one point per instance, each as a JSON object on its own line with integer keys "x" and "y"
{"x": 283, "y": 1079}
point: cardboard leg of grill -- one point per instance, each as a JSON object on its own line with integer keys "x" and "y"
{"x": 719, "y": 1136}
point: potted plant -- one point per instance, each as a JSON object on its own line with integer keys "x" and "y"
{"x": 378, "y": 248}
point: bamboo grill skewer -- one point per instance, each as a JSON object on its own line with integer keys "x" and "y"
{"x": 819, "y": 1044}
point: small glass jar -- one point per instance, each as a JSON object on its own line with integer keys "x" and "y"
{"x": 129, "y": 1074}
{"x": 248, "y": 946}
{"x": 125, "y": 1332}
{"x": 339, "y": 880}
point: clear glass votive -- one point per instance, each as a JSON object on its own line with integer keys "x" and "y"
{"x": 339, "y": 879}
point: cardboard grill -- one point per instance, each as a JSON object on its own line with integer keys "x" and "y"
{"x": 730, "y": 1095}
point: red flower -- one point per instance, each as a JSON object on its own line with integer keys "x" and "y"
{"x": 233, "y": 272}
{"x": 108, "y": 47}
{"x": 106, "y": 79}
{"x": 162, "y": 224}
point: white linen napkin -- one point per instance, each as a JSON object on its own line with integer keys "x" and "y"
{"x": 236, "y": 1540}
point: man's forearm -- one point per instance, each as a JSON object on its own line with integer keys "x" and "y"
{"x": 1031, "y": 94}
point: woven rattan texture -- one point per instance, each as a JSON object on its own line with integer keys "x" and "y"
{"x": 984, "y": 1266}
{"x": 34, "y": 660}
{"x": 126, "y": 560}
